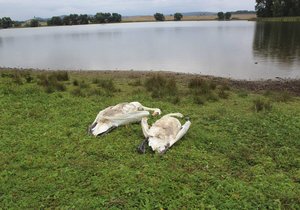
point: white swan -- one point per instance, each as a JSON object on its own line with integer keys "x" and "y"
{"x": 164, "y": 133}
{"x": 120, "y": 114}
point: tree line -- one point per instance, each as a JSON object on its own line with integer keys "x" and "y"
{"x": 277, "y": 8}
{"x": 82, "y": 19}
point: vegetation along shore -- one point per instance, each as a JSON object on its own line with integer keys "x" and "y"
{"x": 242, "y": 150}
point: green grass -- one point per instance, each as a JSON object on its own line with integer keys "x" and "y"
{"x": 280, "y": 19}
{"x": 233, "y": 157}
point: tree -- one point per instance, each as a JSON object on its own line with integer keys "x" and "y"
{"x": 55, "y": 21}
{"x": 34, "y": 23}
{"x": 17, "y": 23}
{"x": 66, "y": 20}
{"x": 116, "y": 18}
{"x": 83, "y": 19}
{"x": 159, "y": 17}
{"x": 99, "y": 18}
{"x": 277, "y": 8}
{"x": 227, "y": 16}
{"x": 74, "y": 19}
{"x": 221, "y": 16}
{"x": 178, "y": 16}
{"x": 6, "y": 22}
{"x": 264, "y": 8}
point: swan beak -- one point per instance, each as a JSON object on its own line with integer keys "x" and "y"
{"x": 156, "y": 112}
{"x": 142, "y": 148}
{"x": 91, "y": 128}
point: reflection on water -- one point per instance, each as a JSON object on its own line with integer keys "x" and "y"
{"x": 237, "y": 49}
{"x": 279, "y": 42}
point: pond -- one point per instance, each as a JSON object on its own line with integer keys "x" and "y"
{"x": 235, "y": 49}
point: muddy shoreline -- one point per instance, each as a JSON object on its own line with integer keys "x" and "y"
{"x": 277, "y": 84}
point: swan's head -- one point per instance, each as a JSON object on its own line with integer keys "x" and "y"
{"x": 99, "y": 128}
{"x": 156, "y": 112}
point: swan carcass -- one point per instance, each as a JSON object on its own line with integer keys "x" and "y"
{"x": 120, "y": 114}
{"x": 164, "y": 133}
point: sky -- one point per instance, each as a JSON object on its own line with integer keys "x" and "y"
{"x": 27, "y": 9}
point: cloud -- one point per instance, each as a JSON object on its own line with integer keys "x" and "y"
{"x": 25, "y": 9}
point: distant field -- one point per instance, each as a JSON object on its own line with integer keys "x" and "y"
{"x": 187, "y": 18}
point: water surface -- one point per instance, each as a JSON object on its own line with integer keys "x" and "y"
{"x": 236, "y": 49}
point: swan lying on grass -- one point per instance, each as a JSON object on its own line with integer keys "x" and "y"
{"x": 164, "y": 133}
{"x": 120, "y": 114}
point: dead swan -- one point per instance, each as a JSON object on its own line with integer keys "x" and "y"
{"x": 120, "y": 114}
{"x": 164, "y": 132}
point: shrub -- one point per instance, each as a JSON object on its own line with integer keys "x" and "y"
{"x": 50, "y": 83}
{"x": 160, "y": 87}
{"x": 199, "y": 100}
{"x": 77, "y": 92}
{"x": 200, "y": 86}
{"x": 75, "y": 82}
{"x": 60, "y": 76}
{"x": 283, "y": 96}
{"x": 17, "y": 78}
{"x": 95, "y": 92}
{"x": 260, "y": 104}
{"x": 83, "y": 84}
{"x": 108, "y": 85}
{"x": 223, "y": 94}
{"x": 28, "y": 78}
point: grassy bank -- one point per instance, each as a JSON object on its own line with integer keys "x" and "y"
{"x": 241, "y": 152}
{"x": 280, "y": 19}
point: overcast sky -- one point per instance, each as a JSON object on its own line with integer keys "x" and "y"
{"x": 26, "y": 9}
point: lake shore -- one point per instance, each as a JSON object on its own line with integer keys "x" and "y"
{"x": 277, "y": 84}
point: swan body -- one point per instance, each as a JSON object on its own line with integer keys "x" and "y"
{"x": 164, "y": 133}
{"x": 118, "y": 115}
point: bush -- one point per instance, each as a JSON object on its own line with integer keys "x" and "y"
{"x": 75, "y": 82}
{"x": 95, "y": 92}
{"x": 261, "y": 104}
{"x": 50, "y": 83}
{"x": 17, "y": 78}
{"x": 223, "y": 94}
{"x": 108, "y": 85}
{"x": 60, "y": 76}
{"x": 283, "y": 96}
{"x": 200, "y": 86}
{"x": 83, "y": 84}
{"x": 199, "y": 100}
{"x": 160, "y": 87}
{"x": 77, "y": 92}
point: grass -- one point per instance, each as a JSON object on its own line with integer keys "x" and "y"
{"x": 233, "y": 157}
